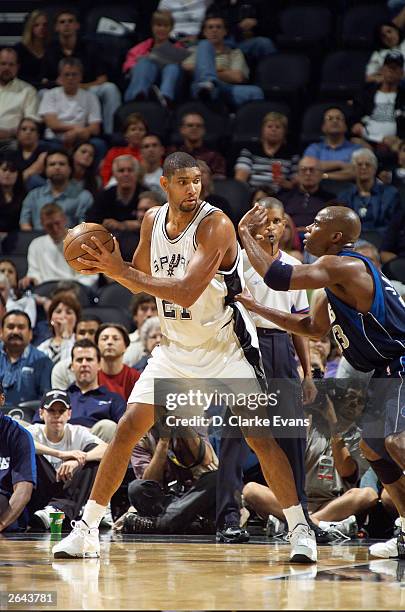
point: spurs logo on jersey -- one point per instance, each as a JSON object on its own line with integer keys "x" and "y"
{"x": 169, "y": 258}
{"x": 169, "y": 263}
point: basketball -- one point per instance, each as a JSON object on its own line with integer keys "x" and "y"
{"x": 81, "y": 234}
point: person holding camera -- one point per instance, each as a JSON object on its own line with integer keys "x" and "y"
{"x": 175, "y": 481}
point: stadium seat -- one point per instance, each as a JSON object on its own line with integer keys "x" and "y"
{"x": 23, "y": 411}
{"x": 237, "y": 195}
{"x": 395, "y": 269}
{"x": 359, "y": 23}
{"x": 114, "y": 27}
{"x": 283, "y": 75}
{"x": 155, "y": 116}
{"x": 111, "y": 314}
{"x": 248, "y": 120}
{"x": 343, "y": 74}
{"x": 304, "y": 26}
{"x": 311, "y": 129}
{"x": 86, "y": 295}
{"x": 114, "y": 294}
{"x": 17, "y": 243}
{"x": 217, "y": 124}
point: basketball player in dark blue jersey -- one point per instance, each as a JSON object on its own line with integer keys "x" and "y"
{"x": 367, "y": 317}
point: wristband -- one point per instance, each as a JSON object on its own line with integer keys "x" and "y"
{"x": 278, "y": 276}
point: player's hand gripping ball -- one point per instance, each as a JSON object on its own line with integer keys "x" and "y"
{"x": 81, "y": 234}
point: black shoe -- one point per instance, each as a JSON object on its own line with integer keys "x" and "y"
{"x": 321, "y": 536}
{"x": 133, "y": 523}
{"x": 205, "y": 92}
{"x": 232, "y": 534}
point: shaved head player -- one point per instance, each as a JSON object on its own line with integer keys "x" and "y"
{"x": 189, "y": 259}
{"x": 367, "y": 317}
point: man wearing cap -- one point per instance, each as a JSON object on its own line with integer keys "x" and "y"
{"x": 17, "y": 468}
{"x": 381, "y": 110}
{"x": 93, "y": 406}
{"x": 67, "y": 458}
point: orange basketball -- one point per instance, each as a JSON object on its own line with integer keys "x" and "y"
{"x": 81, "y": 234}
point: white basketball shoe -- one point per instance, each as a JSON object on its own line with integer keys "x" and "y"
{"x": 82, "y": 542}
{"x": 303, "y": 544}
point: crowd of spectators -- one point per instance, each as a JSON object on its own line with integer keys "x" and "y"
{"x": 66, "y": 158}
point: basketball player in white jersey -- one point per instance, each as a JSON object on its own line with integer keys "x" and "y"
{"x": 189, "y": 259}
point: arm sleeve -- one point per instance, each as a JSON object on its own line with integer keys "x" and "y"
{"x": 84, "y": 438}
{"x": 31, "y": 104}
{"x": 47, "y": 104}
{"x": 312, "y": 150}
{"x": 118, "y": 407}
{"x": 85, "y": 202}
{"x": 244, "y": 161}
{"x": 22, "y": 460}
{"x": 32, "y": 257}
{"x": 60, "y": 375}
{"x": 374, "y": 64}
{"x": 26, "y": 210}
{"x": 300, "y": 301}
{"x": 94, "y": 109}
{"x": 43, "y": 367}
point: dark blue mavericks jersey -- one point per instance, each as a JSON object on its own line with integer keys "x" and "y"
{"x": 374, "y": 339}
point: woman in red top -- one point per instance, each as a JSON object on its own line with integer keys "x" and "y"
{"x": 133, "y": 130}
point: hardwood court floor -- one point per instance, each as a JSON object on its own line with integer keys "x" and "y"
{"x": 171, "y": 574}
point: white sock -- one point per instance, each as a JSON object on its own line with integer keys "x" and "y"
{"x": 402, "y": 523}
{"x": 294, "y": 516}
{"x": 93, "y": 513}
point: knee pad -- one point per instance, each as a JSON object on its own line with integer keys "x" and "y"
{"x": 387, "y": 471}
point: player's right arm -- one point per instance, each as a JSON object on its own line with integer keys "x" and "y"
{"x": 315, "y": 325}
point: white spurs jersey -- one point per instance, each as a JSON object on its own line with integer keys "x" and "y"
{"x": 169, "y": 259}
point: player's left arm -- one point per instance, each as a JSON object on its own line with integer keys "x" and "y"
{"x": 316, "y": 324}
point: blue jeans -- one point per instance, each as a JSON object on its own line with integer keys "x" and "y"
{"x": 146, "y": 73}
{"x": 110, "y": 99}
{"x": 253, "y": 48}
{"x": 205, "y": 70}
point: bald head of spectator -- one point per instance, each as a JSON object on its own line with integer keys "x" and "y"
{"x": 309, "y": 174}
{"x": 8, "y": 65}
